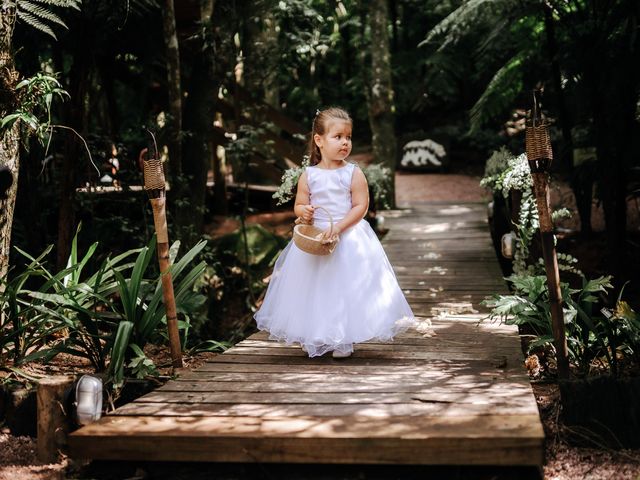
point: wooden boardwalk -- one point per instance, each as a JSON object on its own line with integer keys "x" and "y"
{"x": 452, "y": 391}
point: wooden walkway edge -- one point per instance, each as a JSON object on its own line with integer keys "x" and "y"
{"x": 451, "y": 391}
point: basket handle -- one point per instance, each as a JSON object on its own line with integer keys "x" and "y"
{"x": 299, "y": 220}
{"x": 536, "y": 117}
{"x": 330, "y": 218}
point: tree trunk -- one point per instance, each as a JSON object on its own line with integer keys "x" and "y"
{"x": 271, "y": 84}
{"x": 174, "y": 123}
{"x": 10, "y": 138}
{"x": 613, "y": 124}
{"x": 393, "y": 10}
{"x": 78, "y": 118}
{"x": 198, "y": 118}
{"x": 381, "y": 101}
{"x": 566, "y": 155}
{"x": 223, "y": 25}
{"x": 220, "y": 202}
{"x": 10, "y": 158}
{"x": 346, "y": 57}
{"x": 581, "y": 176}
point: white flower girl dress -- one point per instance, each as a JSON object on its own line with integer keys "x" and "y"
{"x": 330, "y": 302}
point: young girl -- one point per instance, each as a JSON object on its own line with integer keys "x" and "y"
{"x": 328, "y": 303}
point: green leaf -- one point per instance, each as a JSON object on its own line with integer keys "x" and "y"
{"x": 540, "y": 342}
{"x": 177, "y": 268}
{"x": 209, "y": 346}
{"x": 128, "y": 304}
{"x": 118, "y": 352}
{"x": 9, "y": 120}
{"x": 137, "y": 350}
{"x": 45, "y": 355}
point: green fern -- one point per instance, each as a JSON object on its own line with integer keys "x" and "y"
{"x": 75, "y": 4}
{"x": 504, "y": 87}
{"x": 40, "y": 12}
{"x": 465, "y": 17}
{"x": 37, "y": 13}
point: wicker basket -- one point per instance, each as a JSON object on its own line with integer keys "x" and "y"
{"x": 305, "y": 236}
{"x": 538, "y": 144}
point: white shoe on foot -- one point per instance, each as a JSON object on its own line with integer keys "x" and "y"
{"x": 339, "y": 354}
{"x": 304, "y": 349}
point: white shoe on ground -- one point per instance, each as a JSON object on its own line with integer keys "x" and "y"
{"x": 339, "y": 354}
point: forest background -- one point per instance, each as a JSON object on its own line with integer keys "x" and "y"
{"x": 229, "y": 85}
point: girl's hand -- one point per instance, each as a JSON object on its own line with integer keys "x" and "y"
{"x": 307, "y": 213}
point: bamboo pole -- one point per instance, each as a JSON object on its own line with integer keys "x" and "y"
{"x": 154, "y": 184}
{"x": 540, "y": 155}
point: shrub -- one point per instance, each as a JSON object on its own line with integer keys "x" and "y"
{"x": 596, "y": 338}
{"x": 106, "y": 317}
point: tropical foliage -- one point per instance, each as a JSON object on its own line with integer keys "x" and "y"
{"x": 599, "y": 340}
{"x": 106, "y": 317}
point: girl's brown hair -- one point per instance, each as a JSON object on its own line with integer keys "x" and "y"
{"x": 319, "y": 126}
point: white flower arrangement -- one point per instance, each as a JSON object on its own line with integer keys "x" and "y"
{"x": 517, "y": 176}
{"x": 290, "y": 177}
{"x": 504, "y": 173}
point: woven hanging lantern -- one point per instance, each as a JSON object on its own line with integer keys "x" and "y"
{"x": 153, "y": 175}
{"x": 538, "y": 143}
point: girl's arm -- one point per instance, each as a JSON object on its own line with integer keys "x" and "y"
{"x": 302, "y": 208}
{"x": 359, "y": 203}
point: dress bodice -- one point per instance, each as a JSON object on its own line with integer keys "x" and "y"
{"x": 330, "y": 189}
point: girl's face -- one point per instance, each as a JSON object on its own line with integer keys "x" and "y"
{"x": 335, "y": 144}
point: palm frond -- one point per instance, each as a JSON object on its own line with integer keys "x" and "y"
{"x": 502, "y": 90}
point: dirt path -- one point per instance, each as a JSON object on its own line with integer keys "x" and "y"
{"x": 438, "y": 187}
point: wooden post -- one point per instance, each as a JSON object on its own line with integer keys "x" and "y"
{"x": 154, "y": 184}
{"x": 541, "y": 192}
{"x": 540, "y": 155}
{"x": 53, "y": 421}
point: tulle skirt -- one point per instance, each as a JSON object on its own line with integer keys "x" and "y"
{"x": 327, "y": 303}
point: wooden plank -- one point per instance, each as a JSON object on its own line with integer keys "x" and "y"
{"x": 407, "y": 343}
{"x": 469, "y": 440}
{"x": 489, "y": 354}
{"x": 428, "y": 377}
{"x": 354, "y": 370}
{"x": 344, "y": 427}
{"x": 349, "y": 398}
{"x": 327, "y": 360}
{"x": 427, "y": 407}
{"x": 437, "y": 332}
{"x": 265, "y": 387}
